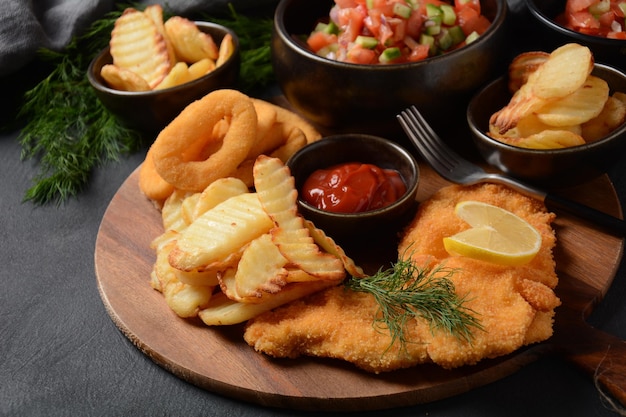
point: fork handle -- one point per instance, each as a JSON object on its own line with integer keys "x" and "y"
{"x": 610, "y": 223}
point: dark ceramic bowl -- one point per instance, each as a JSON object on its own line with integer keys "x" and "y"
{"x": 333, "y": 150}
{"x": 150, "y": 111}
{"x": 553, "y": 167}
{"x": 544, "y": 12}
{"x": 365, "y": 98}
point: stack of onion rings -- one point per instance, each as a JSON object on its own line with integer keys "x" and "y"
{"x": 219, "y": 136}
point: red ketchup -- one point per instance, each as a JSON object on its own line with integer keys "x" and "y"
{"x": 353, "y": 188}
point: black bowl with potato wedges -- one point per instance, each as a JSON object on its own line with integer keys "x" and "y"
{"x": 556, "y": 119}
{"x": 153, "y": 68}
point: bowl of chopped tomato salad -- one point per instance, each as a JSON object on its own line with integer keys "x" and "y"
{"x": 354, "y": 64}
{"x": 598, "y": 24}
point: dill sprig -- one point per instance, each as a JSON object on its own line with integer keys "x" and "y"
{"x": 255, "y": 34}
{"x": 68, "y": 129}
{"x": 70, "y": 132}
{"x": 405, "y": 291}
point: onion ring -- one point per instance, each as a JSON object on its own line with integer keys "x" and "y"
{"x": 151, "y": 183}
{"x": 196, "y": 123}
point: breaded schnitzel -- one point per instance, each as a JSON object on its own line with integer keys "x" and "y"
{"x": 515, "y": 305}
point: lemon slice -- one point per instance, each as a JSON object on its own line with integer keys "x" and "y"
{"x": 497, "y": 235}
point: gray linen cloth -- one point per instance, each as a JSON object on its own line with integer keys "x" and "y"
{"x": 27, "y": 25}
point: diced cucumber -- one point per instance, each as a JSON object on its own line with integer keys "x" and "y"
{"x": 330, "y": 28}
{"x": 600, "y": 7}
{"x": 432, "y": 30}
{"x": 320, "y": 27}
{"x": 390, "y": 54}
{"x": 428, "y": 40}
{"x": 471, "y": 37}
{"x": 432, "y": 10}
{"x": 414, "y": 4}
{"x": 444, "y": 40}
{"x": 448, "y": 14}
{"x": 457, "y": 34}
{"x": 329, "y": 50}
{"x": 368, "y": 42}
{"x": 622, "y": 7}
{"x": 402, "y": 10}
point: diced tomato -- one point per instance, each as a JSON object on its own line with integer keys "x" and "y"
{"x": 378, "y": 18}
{"x": 414, "y": 25}
{"x": 579, "y": 16}
{"x": 384, "y": 6}
{"x": 474, "y": 4}
{"x": 351, "y": 22}
{"x": 359, "y": 55}
{"x": 385, "y": 34}
{"x": 470, "y": 21}
{"x": 606, "y": 19}
{"x": 616, "y": 35}
{"x": 319, "y": 40}
{"x": 398, "y": 27}
{"x": 574, "y": 6}
{"x": 583, "y": 20}
{"x": 418, "y": 53}
{"x": 373, "y": 21}
{"x": 346, "y": 4}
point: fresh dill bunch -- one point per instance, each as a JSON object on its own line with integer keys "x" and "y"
{"x": 405, "y": 291}
{"x": 255, "y": 34}
{"x": 68, "y": 130}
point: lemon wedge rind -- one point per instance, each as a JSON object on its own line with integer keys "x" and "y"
{"x": 497, "y": 235}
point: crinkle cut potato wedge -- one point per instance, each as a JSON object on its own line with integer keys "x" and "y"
{"x": 329, "y": 245}
{"x": 261, "y": 269}
{"x": 155, "y": 12}
{"x": 190, "y": 43}
{"x": 276, "y": 190}
{"x": 184, "y": 299}
{"x": 219, "y": 232}
{"x": 137, "y": 45}
{"x": 217, "y": 192}
{"x": 223, "y": 311}
{"x": 179, "y": 74}
{"x": 123, "y": 79}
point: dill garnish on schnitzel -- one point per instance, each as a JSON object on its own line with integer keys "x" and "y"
{"x": 405, "y": 291}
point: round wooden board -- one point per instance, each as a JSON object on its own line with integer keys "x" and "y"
{"x": 218, "y": 359}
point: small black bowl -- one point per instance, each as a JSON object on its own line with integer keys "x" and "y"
{"x": 151, "y": 111}
{"x": 544, "y": 13}
{"x": 361, "y": 98}
{"x": 333, "y": 150}
{"x": 550, "y": 167}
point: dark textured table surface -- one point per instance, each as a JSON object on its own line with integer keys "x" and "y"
{"x": 62, "y": 355}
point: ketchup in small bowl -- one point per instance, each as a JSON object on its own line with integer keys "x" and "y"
{"x": 355, "y": 185}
